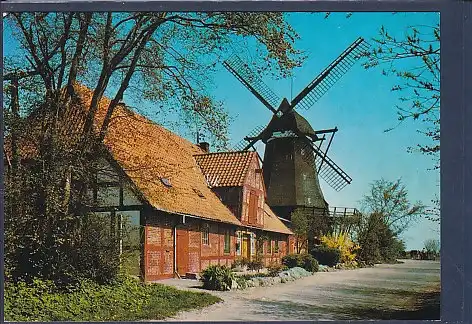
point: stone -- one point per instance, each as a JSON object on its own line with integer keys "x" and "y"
{"x": 234, "y": 284}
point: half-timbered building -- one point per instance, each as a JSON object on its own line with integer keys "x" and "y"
{"x": 184, "y": 221}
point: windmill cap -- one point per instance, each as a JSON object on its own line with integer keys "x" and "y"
{"x": 290, "y": 121}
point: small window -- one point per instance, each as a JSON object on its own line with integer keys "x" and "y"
{"x": 227, "y": 242}
{"x": 198, "y": 192}
{"x": 205, "y": 235}
{"x": 166, "y": 182}
{"x": 276, "y": 247}
{"x": 269, "y": 247}
{"x": 238, "y": 243}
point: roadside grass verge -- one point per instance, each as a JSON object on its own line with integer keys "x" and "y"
{"x": 125, "y": 300}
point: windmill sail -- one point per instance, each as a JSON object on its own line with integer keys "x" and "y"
{"x": 330, "y": 75}
{"x": 327, "y": 169}
{"x": 252, "y": 81}
{"x": 247, "y": 141}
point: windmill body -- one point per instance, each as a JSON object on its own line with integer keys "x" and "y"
{"x": 294, "y": 156}
{"x": 291, "y": 180}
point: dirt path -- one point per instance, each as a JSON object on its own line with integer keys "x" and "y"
{"x": 400, "y": 291}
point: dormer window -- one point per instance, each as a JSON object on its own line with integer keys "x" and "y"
{"x": 166, "y": 182}
{"x": 199, "y": 193}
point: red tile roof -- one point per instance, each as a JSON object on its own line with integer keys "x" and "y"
{"x": 151, "y": 155}
{"x": 272, "y": 223}
{"x": 225, "y": 169}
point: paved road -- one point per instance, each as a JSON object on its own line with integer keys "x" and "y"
{"x": 401, "y": 291}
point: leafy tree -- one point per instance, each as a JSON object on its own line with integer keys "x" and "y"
{"x": 164, "y": 57}
{"x": 300, "y": 227}
{"x": 432, "y": 246}
{"x": 378, "y": 242}
{"x": 387, "y": 212}
{"x": 389, "y": 200}
{"x": 308, "y": 225}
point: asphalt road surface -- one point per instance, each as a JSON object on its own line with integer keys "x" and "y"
{"x": 398, "y": 291}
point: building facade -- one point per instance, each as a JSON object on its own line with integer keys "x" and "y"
{"x": 174, "y": 216}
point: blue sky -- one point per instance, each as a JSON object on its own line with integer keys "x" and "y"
{"x": 360, "y": 104}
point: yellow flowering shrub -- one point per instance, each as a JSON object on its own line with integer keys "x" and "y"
{"x": 343, "y": 243}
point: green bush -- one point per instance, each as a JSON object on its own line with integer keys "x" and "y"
{"x": 239, "y": 262}
{"x": 309, "y": 263}
{"x": 303, "y": 260}
{"x": 291, "y": 260}
{"x": 378, "y": 242}
{"x": 275, "y": 268}
{"x": 124, "y": 300}
{"x": 242, "y": 282}
{"x": 256, "y": 264}
{"x": 326, "y": 255}
{"x": 217, "y": 277}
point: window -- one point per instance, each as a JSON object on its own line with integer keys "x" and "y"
{"x": 269, "y": 247}
{"x": 166, "y": 182}
{"x": 253, "y": 243}
{"x": 276, "y": 247}
{"x": 205, "y": 235}
{"x": 238, "y": 244}
{"x": 198, "y": 192}
{"x": 227, "y": 242}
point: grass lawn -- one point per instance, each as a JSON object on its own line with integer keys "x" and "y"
{"x": 126, "y": 300}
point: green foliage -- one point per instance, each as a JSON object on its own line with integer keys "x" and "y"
{"x": 306, "y": 225}
{"x": 242, "y": 262}
{"x": 303, "y": 260}
{"x": 378, "y": 242}
{"x": 326, "y": 255}
{"x": 291, "y": 260}
{"x": 389, "y": 200}
{"x": 275, "y": 268}
{"x": 256, "y": 264}
{"x": 130, "y": 262}
{"x": 242, "y": 281}
{"x": 248, "y": 276}
{"x": 309, "y": 263}
{"x": 217, "y": 277}
{"x": 124, "y": 300}
{"x": 161, "y": 75}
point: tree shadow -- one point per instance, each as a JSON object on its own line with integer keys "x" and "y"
{"x": 426, "y": 307}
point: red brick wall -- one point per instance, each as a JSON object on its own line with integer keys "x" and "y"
{"x": 158, "y": 248}
{"x": 270, "y": 256}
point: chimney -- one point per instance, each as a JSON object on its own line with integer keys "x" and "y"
{"x": 204, "y": 146}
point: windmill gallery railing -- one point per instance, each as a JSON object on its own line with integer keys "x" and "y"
{"x": 336, "y": 219}
{"x": 344, "y": 219}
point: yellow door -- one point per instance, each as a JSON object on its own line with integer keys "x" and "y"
{"x": 245, "y": 248}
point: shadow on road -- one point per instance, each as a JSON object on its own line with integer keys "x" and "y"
{"x": 415, "y": 306}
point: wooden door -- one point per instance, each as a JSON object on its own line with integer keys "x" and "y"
{"x": 182, "y": 251}
{"x": 252, "y": 207}
{"x": 246, "y": 250}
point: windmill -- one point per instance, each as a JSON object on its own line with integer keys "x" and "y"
{"x": 295, "y": 154}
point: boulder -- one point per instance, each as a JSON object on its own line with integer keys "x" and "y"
{"x": 234, "y": 285}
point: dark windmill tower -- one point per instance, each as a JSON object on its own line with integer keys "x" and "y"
{"x": 295, "y": 154}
